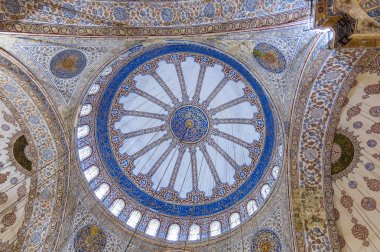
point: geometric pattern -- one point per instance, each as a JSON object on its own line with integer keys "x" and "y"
{"x": 44, "y": 55}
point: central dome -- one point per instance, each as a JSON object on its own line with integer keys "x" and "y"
{"x": 182, "y": 130}
{"x": 189, "y": 124}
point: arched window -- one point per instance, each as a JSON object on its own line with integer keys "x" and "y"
{"x": 280, "y": 150}
{"x": 94, "y": 89}
{"x": 215, "y": 228}
{"x": 134, "y": 219}
{"x": 152, "y": 227}
{"x": 83, "y": 131}
{"x": 194, "y": 232}
{"x": 102, "y": 191}
{"x": 275, "y": 171}
{"x": 173, "y": 232}
{"x": 86, "y": 109}
{"x": 117, "y": 206}
{"x": 84, "y": 152}
{"x": 91, "y": 173}
{"x": 265, "y": 190}
{"x": 251, "y": 207}
{"x": 234, "y": 220}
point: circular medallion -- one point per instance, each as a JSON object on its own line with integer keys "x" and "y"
{"x": 182, "y": 130}
{"x": 345, "y": 153}
{"x": 189, "y": 124}
{"x": 368, "y": 203}
{"x": 90, "y": 238}
{"x": 266, "y": 241}
{"x": 68, "y": 64}
{"x": 269, "y": 57}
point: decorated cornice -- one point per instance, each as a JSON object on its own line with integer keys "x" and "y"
{"x": 255, "y": 23}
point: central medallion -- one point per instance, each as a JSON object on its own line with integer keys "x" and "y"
{"x": 189, "y": 124}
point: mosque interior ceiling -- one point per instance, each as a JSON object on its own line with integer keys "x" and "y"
{"x": 189, "y": 125}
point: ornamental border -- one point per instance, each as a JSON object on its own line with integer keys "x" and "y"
{"x": 249, "y": 24}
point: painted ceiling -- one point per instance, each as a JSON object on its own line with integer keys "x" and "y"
{"x": 187, "y": 125}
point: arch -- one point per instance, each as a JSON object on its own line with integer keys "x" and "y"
{"x": 194, "y": 232}
{"x": 26, "y": 94}
{"x": 152, "y": 227}
{"x": 102, "y": 191}
{"x": 215, "y": 228}
{"x": 134, "y": 218}
{"x": 234, "y": 220}
{"x": 173, "y": 232}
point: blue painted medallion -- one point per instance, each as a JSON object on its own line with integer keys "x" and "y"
{"x": 68, "y": 64}
{"x": 90, "y": 238}
{"x": 189, "y": 124}
{"x": 269, "y": 57}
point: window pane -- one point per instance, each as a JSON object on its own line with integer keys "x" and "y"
{"x": 91, "y": 172}
{"x": 234, "y": 220}
{"x": 275, "y": 171}
{"x": 173, "y": 232}
{"x": 215, "y": 228}
{"x": 117, "y": 206}
{"x": 194, "y": 232}
{"x": 94, "y": 89}
{"x": 83, "y": 131}
{"x": 84, "y": 152}
{"x": 102, "y": 191}
{"x": 86, "y": 109}
{"x": 265, "y": 190}
{"x": 134, "y": 219}
{"x": 152, "y": 227}
{"x": 251, "y": 207}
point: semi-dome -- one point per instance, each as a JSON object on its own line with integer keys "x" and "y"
{"x": 179, "y": 141}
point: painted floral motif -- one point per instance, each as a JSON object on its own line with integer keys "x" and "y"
{"x": 346, "y": 201}
{"x": 360, "y": 232}
{"x": 373, "y": 184}
{"x": 336, "y": 214}
{"x": 3, "y": 198}
{"x": 371, "y": 90}
{"x": 341, "y": 241}
{"x": 3, "y": 177}
{"x": 8, "y": 220}
{"x": 375, "y": 128}
{"x": 354, "y": 111}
